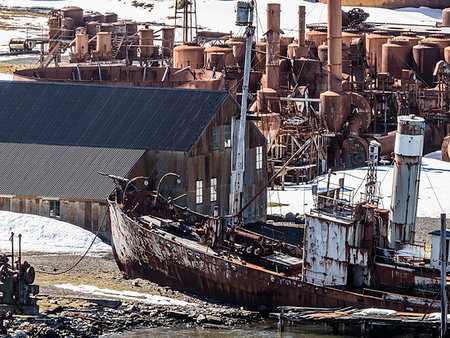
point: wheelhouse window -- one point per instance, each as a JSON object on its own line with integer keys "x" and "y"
{"x": 227, "y": 136}
{"x": 55, "y": 208}
{"x": 199, "y": 192}
{"x": 213, "y": 189}
{"x": 216, "y": 137}
{"x": 259, "y": 157}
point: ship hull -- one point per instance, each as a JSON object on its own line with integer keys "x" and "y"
{"x": 185, "y": 265}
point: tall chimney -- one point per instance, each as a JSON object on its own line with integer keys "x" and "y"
{"x": 301, "y": 25}
{"x": 273, "y": 46}
{"x": 335, "y": 45}
{"x": 405, "y": 186}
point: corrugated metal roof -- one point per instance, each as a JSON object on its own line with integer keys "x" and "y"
{"x": 105, "y": 116}
{"x": 62, "y": 171}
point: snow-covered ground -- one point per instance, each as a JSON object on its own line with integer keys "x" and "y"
{"x": 45, "y": 234}
{"x": 433, "y": 189}
{"x": 125, "y": 295}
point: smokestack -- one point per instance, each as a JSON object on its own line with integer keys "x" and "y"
{"x": 273, "y": 46}
{"x": 405, "y": 187}
{"x": 335, "y": 45}
{"x": 301, "y": 25}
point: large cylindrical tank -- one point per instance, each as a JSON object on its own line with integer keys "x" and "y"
{"x": 447, "y": 54}
{"x": 349, "y": 34}
{"x": 335, "y": 110}
{"x": 53, "y": 26}
{"x": 189, "y": 54}
{"x": 107, "y": 27}
{"x": 119, "y": 28}
{"x": 92, "y": 28}
{"x": 374, "y": 47}
{"x": 104, "y": 42}
{"x": 168, "y": 41}
{"x": 238, "y": 46}
{"x": 408, "y": 150}
{"x": 284, "y": 43}
{"x": 98, "y": 17}
{"x": 318, "y": 37}
{"x": 412, "y": 38}
{"x": 76, "y": 13}
{"x": 396, "y": 55}
{"x": 87, "y": 18}
{"x": 131, "y": 27}
{"x": 425, "y": 56}
{"x": 440, "y": 39}
{"x": 81, "y": 44}
{"x": 446, "y": 17}
{"x": 111, "y": 17}
{"x": 322, "y": 52}
{"x": 146, "y": 42}
{"x": 260, "y": 55}
{"x": 67, "y": 28}
{"x": 227, "y": 51}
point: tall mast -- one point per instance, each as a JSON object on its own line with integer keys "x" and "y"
{"x": 244, "y": 17}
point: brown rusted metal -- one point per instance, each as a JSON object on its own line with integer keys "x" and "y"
{"x": 445, "y": 148}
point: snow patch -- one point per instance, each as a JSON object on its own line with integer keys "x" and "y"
{"x": 45, "y": 234}
{"x": 127, "y": 295}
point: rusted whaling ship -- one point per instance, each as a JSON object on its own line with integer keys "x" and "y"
{"x": 353, "y": 254}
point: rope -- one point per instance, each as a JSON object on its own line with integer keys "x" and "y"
{"x": 434, "y": 192}
{"x": 82, "y": 257}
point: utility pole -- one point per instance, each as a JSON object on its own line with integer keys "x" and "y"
{"x": 443, "y": 276}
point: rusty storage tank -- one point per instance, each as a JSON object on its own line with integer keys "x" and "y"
{"x": 238, "y": 46}
{"x": 374, "y": 47}
{"x": 76, "y": 13}
{"x": 440, "y": 39}
{"x": 319, "y": 37}
{"x": 412, "y": 38}
{"x": 98, "y": 17}
{"x": 216, "y": 61}
{"x": 131, "y": 27}
{"x": 53, "y": 26}
{"x": 87, "y": 18}
{"x": 92, "y": 28}
{"x": 446, "y": 17}
{"x": 227, "y": 51}
{"x": 81, "y": 44}
{"x": 107, "y": 27}
{"x": 322, "y": 52}
{"x": 447, "y": 55}
{"x": 168, "y": 41}
{"x": 146, "y": 42}
{"x": 189, "y": 54}
{"x": 351, "y": 33}
{"x": 260, "y": 55}
{"x": 396, "y": 55}
{"x": 285, "y": 41}
{"x": 119, "y": 28}
{"x": 425, "y": 56}
{"x": 104, "y": 42}
{"x": 111, "y": 17}
{"x": 68, "y": 28}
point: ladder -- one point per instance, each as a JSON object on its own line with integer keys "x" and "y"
{"x": 117, "y": 43}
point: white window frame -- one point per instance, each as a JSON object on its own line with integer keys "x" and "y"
{"x": 199, "y": 192}
{"x": 228, "y": 136}
{"x": 259, "y": 157}
{"x": 55, "y": 208}
{"x": 214, "y": 189}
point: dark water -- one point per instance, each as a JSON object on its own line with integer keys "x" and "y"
{"x": 256, "y": 330}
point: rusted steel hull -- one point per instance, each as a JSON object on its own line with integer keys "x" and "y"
{"x": 183, "y": 264}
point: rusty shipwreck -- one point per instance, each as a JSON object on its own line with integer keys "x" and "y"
{"x": 353, "y": 253}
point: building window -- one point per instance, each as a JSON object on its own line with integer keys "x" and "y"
{"x": 227, "y": 136}
{"x": 213, "y": 189}
{"x": 199, "y": 192}
{"x": 55, "y": 208}
{"x": 259, "y": 157}
{"x": 216, "y": 137}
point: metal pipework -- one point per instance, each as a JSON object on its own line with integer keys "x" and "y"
{"x": 334, "y": 45}
{"x": 405, "y": 187}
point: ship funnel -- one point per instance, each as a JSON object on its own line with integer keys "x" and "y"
{"x": 405, "y": 187}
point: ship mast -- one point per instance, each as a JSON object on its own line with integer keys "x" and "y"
{"x": 244, "y": 17}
